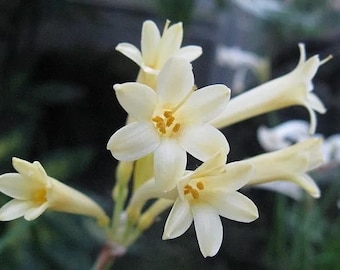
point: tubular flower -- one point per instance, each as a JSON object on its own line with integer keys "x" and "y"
{"x": 289, "y": 164}
{"x": 206, "y": 194}
{"x": 33, "y": 192}
{"x": 156, "y": 49}
{"x": 295, "y": 88}
{"x": 170, "y": 122}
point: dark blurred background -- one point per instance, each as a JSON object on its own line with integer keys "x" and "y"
{"x": 57, "y": 67}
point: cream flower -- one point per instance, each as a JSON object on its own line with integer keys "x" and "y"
{"x": 156, "y": 49}
{"x": 289, "y": 164}
{"x": 295, "y": 88}
{"x": 204, "y": 195}
{"x": 33, "y": 192}
{"x": 170, "y": 122}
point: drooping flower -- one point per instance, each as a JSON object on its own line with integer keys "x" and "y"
{"x": 206, "y": 194}
{"x": 156, "y": 49}
{"x": 170, "y": 121}
{"x": 294, "y": 88}
{"x": 289, "y": 164}
{"x": 33, "y": 192}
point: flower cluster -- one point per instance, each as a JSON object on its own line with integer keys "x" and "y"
{"x": 168, "y": 119}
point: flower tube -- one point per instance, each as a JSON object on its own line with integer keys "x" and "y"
{"x": 294, "y": 88}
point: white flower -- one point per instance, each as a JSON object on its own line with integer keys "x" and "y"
{"x": 283, "y": 135}
{"x": 289, "y": 164}
{"x": 33, "y": 192}
{"x": 170, "y": 122}
{"x": 204, "y": 195}
{"x": 156, "y": 49}
{"x": 295, "y": 88}
{"x": 331, "y": 149}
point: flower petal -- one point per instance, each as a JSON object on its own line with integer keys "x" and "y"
{"x": 15, "y": 186}
{"x": 214, "y": 165}
{"x": 175, "y": 82}
{"x": 203, "y": 141}
{"x": 35, "y": 212}
{"x": 138, "y": 100}
{"x": 178, "y": 221}
{"x": 234, "y": 206}
{"x": 170, "y": 43}
{"x": 149, "y": 41}
{"x": 170, "y": 161}
{"x": 308, "y": 184}
{"x": 237, "y": 174}
{"x": 208, "y": 228}
{"x": 206, "y": 103}
{"x": 30, "y": 171}
{"x": 189, "y": 52}
{"x": 131, "y": 52}
{"x": 14, "y": 209}
{"x": 133, "y": 141}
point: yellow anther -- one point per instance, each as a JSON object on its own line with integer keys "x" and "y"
{"x": 39, "y": 197}
{"x": 157, "y": 119}
{"x": 165, "y": 121}
{"x": 200, "y": 185}
{"x": 167, "y": 114}
{"x": 194, "y": 192}
{"x": 169, "y": 121}
{"x": 176, "y": 127}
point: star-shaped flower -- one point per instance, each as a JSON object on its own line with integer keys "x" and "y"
{"x": 156, "y": 49}
{"x": 204, "y": 195}
{"x": 33, "y": 192}
{"x": 170, "y": 121}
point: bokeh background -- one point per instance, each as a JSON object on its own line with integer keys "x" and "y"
{"x": 57, "y": 68}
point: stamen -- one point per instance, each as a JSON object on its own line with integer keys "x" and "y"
{"x": 194, "y": 192}
{"x": 39, "y": 197}
{"x": 200, "y": 185}
{"x": 170, "y": 121}
{"x": 167, "y": 114}
{"x": 176, "y": 127}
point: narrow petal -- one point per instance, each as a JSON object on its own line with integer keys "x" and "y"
{"x": 33, "y": 172}
{"x": 237, "y": 175}
{"x": 175, "y": 82}
{"x": 149, "y": 41}
{"x": 234, "y": 206}
{"x": 35, "y": 212}
{"x": 189, "y": 52}
{"x": 316, "y": 103}
{"x": 216, "y": 163}
{"x": 178, "y": 221}
{"x": 15, "y": 186}
{"x": 131, "y": 52}
{"x": 206, "y": 103}
{"x": 170, "y": 161}
{"x": 170, "y": 43}
{"x": 208, "y": 228}
{"x": 138, "y": 100}
{"x": 308, "y": 184}
{"x": 14, "y": 209}
{"x": 133, "y": 141}
{"x": 203, "y": 141}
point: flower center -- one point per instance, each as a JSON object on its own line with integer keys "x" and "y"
{"x": 39, "y": 197}
{"x": 166, "y": 123}
{"x": 194, "y": 191}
